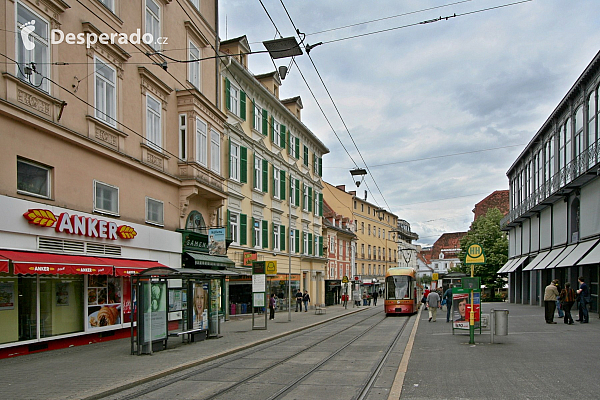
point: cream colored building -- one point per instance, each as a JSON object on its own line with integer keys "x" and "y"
{"x": 274, "y": 193}
{"x": 111, "y": 131}
{"x": 376, "y": 231}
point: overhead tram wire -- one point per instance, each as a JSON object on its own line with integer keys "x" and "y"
{"x": 425, "y": 22}
{"x": 338, "y": 111}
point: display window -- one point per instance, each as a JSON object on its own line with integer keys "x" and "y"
{"x": 103, "y": 301}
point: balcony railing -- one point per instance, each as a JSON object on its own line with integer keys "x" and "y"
{"x": 579, "y": 166}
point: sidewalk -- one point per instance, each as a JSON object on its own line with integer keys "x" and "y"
{"x": 535, "y": 361}
{"x": 87, "y": 371}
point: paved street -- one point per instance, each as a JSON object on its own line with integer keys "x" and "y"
{"x": 535, "y": 360}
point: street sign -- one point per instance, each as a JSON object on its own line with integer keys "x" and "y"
{"x": 435, "y": 276}
{"x": 345, "y": 279}
{"x": 475, "y": 255}
{"x": 271, "y": 267}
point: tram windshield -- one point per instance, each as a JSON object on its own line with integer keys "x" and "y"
{"x": 398, "y": 287}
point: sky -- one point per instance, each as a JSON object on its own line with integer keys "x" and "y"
{"x": 438, "y": 111}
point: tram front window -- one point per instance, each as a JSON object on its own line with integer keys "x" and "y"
{"x": 398, "y": 287}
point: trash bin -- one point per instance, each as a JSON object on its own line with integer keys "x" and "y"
{"x": 501, "y": 322}
{"x": 238, "y": 308}
{"x": 244, "y": 308}
{"x": 232, "y": 312}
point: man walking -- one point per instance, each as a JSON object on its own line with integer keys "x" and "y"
{"x": 306, "y": 300}
{"x": 584, "y": 298}
{"x": 448, "y": 298}
{"x": 375, "y": 295}
{"x": 550, "y": 295}
{"x": 298, "y": 300}
{"x": 433, "y": 301}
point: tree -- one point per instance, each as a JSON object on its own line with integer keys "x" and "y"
{"x": 486, "y": 232}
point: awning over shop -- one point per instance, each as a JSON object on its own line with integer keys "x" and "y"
{"x": 536, "y": 261}
{"x": 561, "y": 256}
{"x": 206, "y": 260}
{"x": 127, "y": 267}
{"x": 3, "y": 265}
{"x": 25, "y": 262}
{"x": 507, "y": 265}
{"x": 577, "y": 254}
{"x": 550, "y": 258}
{"x": 593, "y": 257}
{"x": 517, "y": 264}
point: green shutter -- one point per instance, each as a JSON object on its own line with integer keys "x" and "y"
{"x": 252, "y": 233}
{"x": 229, "y": 157}
{"x": 265, "y": 172}
{"x": 320, "y": 166}
{"x": 297, "y": 238}
{"x": 272, "y": 129}
{"x": 303, "y": 201}
{"x": 310, "y": 244}
{"x": 265, "y": 122}
{"x": 252, "y": 111}
{"x": 243, "y": 105}
{"x": 297, "y": 148}
{"x": 297, "y": 192}
{"x": 282, "y": 185}
{"x": 310, "y": 199}
{"x": 273, "y": 234}
{"x": 265, "y": 234}
{"x": 302, "y": 242}
{"x": 321, "y": 246}
{"x": 305, "y": 155}
{"x": 227, "y": 226}
{"x": 227, "y": 94}
{"x": 282, "y": 237}
{"x": 273, "y": 180}
{"x": 252, "y": 168}
{"x": 282, "y": 132}
{"x": 243, "y": 164}
{"x": 243, "y": 229}
{"x": 320, "y": 204}
{"x": 314, "y": 163}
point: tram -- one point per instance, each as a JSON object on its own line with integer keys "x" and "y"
{"x": 400, "y": 295}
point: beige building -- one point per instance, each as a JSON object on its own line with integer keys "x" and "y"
{"x": 274, "y": 193}
{"x": 376, "y": 231}
{"x": 110, "y": 133}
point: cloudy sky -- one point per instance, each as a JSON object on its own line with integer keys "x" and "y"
{"x": 416, "y": 96}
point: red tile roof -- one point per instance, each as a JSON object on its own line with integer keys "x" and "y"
{"x": 498, "y": 199}
{"x": 447, "y": 241}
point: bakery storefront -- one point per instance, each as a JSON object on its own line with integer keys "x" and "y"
{"x": 65, "y": 275}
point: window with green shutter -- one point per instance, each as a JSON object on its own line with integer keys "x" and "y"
{"x": 297, "y": 148}
{"x": 282, "y": 237}
{"x": 228, "y": 226}
{"x": 265, "y": 177}
{"x": 243, "y": 105}
{"x": 310, "y": 244}
{"x": 320, "y": 204}
{"x": 265, "y": 122}
{"x": 243, "y": 229}
{"x": 305, "y": 155}
{"x": 227, "y": 94}
{"x": 297, "y": 189}
{"x": 272, "y": 130}
{"x": 252, "y": 229}
{"x": 282, "y": 140}
{"x": 243, "y": 164}
{"x": 297, "y": 240}
{"x": 282, "y": 188}
{"x": 320, "y": 166}
{"x": 310, "y": 199}
{"x": 265, "y": 234}
{"x": 321, "y": 246}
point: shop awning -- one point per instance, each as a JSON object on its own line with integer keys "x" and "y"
{"x": 577, "y": 254}
{"x": 25, "y": 262}
{"x": 507, "y": 266}
{"x": 536, "y": 261}
{"x": 561, "y": 256}
{"x": 205, "y": 260}
{"x": 550, "y": 258}
{"x": 3, "y": 265}
{"x": 593, "y": 257}
{"x": 127, "y": 267}
{"x": 517, "y": 264}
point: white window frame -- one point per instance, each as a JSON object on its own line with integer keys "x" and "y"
{"x": 153, "y": 129}
{"x": 201, "y": 142}
{"x": 105, "y": 186}
{"x": 292, "y": 144}
{"x": 257, "y": 231}
{"x": 40, "y": 58}
{"x": 258, "y": 173}
{"x": 277, "y": 183}
{"x": 276, "y": 237}
{"x": 234, "y": 160}
{"x": 160, "y": 221}
{"x": 215, "y": 151}
{"x": 292, "y": 194}
{"x": 305, "y": 241}
{"x": 258, "y": 118}
{"x": 48, "y": 185}
{"x": 194, "y": 53}
{"x": 292, "y": 238}
{"x": 316, "y": 207}
{"x": 332, "y": 244}
{"x": 276, "y": 132}
{"x": 316, "y": 251}
{"x": 110, "y": 4}
{"x": 234, "y": 99}
{"x": 305, "y": 195}
{"x": 183, "y": 136}
{"x": 104, "y": 110}
{"x": 234, "y": 227}
{"x": 154, "y": 22}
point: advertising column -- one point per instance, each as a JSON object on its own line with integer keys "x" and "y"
{"x": 259, "y": 284}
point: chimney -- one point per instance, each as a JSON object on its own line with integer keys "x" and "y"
{"x": 365, "y": 195}
{"x": 341, "y": 187}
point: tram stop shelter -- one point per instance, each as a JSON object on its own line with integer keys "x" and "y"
{"x": 175, "y": 303}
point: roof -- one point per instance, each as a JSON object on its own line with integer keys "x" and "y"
{"x": 448, "y": 241}
{"x": 498, "y": 199}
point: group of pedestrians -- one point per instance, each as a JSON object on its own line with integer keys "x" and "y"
{"x": 564, "y": 299}
{"x": 302, "y": 299}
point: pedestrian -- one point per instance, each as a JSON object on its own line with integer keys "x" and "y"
{"x": 448, "y": 299}
{"x": 306, "y": 300}
{"x": 364, "y": 298}
{"x": 561, "y": 314}
{"x": 425, "y": 294}
{"x": 550, "y": 295}
{"x": 567, "y": 298}
{"x": 298, "y": 300}
{"x": 272, "y": 302}
{"x": 433, "y": 300}
{"x": 375, "y": 295}
{"x": 584, "y": 298}
{"x": 356, "y": 298}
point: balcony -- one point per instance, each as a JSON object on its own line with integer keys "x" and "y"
{"x": 574, "y": 175}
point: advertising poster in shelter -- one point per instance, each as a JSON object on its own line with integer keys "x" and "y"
{"x": 154, "y": 308}
{"x": 461, "y": 307}
{"x": 216, "y": 242}
{"x": 200, "y": 305}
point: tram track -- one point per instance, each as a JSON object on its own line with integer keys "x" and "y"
{"x": 162, "y": 383}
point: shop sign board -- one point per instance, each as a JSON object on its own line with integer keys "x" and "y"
{"x": 216, "y": 242}
{"x": 79, "y": 225}
{"x": 193, "y": 241}
{"x": 271, "y": 267}
{"x": 249, "y": 258}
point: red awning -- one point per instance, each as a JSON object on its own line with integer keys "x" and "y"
{"x": 56, "y": 264}
{"x": 126, "y": 267}
{"x": 3, "y": 265}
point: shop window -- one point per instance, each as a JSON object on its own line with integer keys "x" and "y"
{"x": 106, "y": 198}
{"x": 33, "y": 179}
{"x": 61, "y": 305}
{"x": 154, "y": 211}
{"x": 103, "y": 301}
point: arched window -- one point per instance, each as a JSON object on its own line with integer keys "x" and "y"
{"x": 195, "y": 222}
